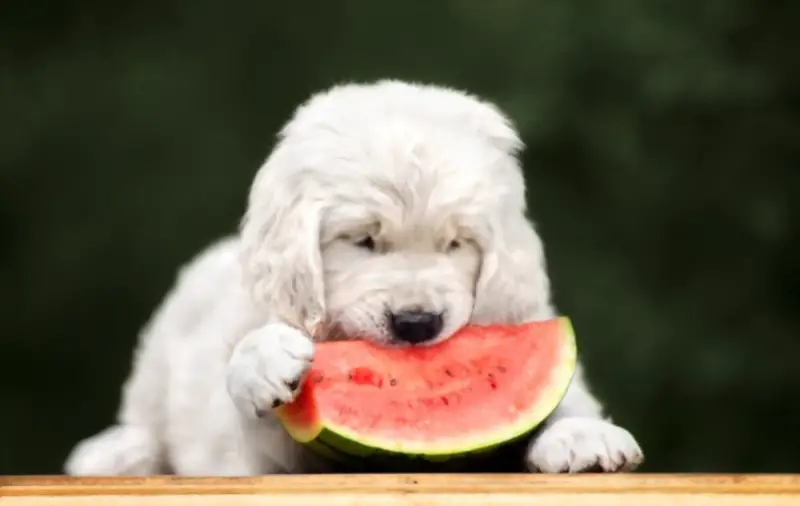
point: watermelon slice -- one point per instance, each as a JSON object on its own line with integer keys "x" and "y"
{"x": 482, "y": 388}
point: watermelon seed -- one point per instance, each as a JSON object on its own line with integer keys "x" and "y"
{"x": 445, "y": 401}
{"x": 448, "y": 372}
{"x": 492, "y": 382}
{"x": 392, "y": 382}
{"x": 350, "y": 376}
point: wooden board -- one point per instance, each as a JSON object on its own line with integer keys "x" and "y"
{"x": 407, "y": 490}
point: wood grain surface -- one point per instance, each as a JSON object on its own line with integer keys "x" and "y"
{"x": 407, "y": 490}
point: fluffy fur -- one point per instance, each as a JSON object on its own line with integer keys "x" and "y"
{"x": 430, "y": 176}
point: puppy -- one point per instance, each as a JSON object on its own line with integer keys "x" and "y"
{"x": 389, "y": 211}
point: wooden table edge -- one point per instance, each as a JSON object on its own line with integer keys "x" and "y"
{"x": 517, "y": 484}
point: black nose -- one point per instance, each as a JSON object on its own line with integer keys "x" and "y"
{"x": 415, "y": 327}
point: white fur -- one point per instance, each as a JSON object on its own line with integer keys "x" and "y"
{"x": 415, "y": 168}
{"x": 264, "y": 364}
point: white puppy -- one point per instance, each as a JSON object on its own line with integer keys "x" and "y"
{"x": 391, "y": 211}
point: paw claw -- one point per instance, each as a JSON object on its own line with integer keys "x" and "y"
{"x": 294, "y": 385}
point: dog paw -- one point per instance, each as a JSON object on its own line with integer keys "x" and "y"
{"x": 266, "y": 368}
{"x": 120, "y": 450}
{"x": 575, "y": 445}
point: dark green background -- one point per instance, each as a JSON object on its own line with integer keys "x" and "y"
{"x": 662, "y": 162}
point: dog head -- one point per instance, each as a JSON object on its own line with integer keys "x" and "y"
{"x": 394, "y": 212}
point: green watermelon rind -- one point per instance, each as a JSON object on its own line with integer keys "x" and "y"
{"x": 321, "y": 448}
{"x": 349, "y": 443}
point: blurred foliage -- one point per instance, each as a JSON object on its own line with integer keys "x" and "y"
{"x": 662, "y": 162}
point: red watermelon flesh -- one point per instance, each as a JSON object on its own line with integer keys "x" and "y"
{"x": 484, "y": 386}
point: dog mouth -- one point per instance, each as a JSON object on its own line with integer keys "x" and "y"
{"x": 332, "y": 331}
{"x": 329, "y": 330}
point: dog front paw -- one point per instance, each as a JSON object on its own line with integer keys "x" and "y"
{"x": 574, "y": 445}
{"x": 266, "y": 368}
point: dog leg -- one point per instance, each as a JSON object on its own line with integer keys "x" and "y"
{"x": 266, "y": 368}
{"x": 118, "y": 450}
{"x": 135, "y": 445}
{"x": 577, "y": 438}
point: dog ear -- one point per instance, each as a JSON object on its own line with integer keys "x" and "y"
{"x": 280, "y": 234}
{"x": 513, "y": 286}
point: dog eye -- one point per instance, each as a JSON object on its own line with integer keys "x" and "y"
{"x": 367, "y": 243}
{"x": 454, "y": 245}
